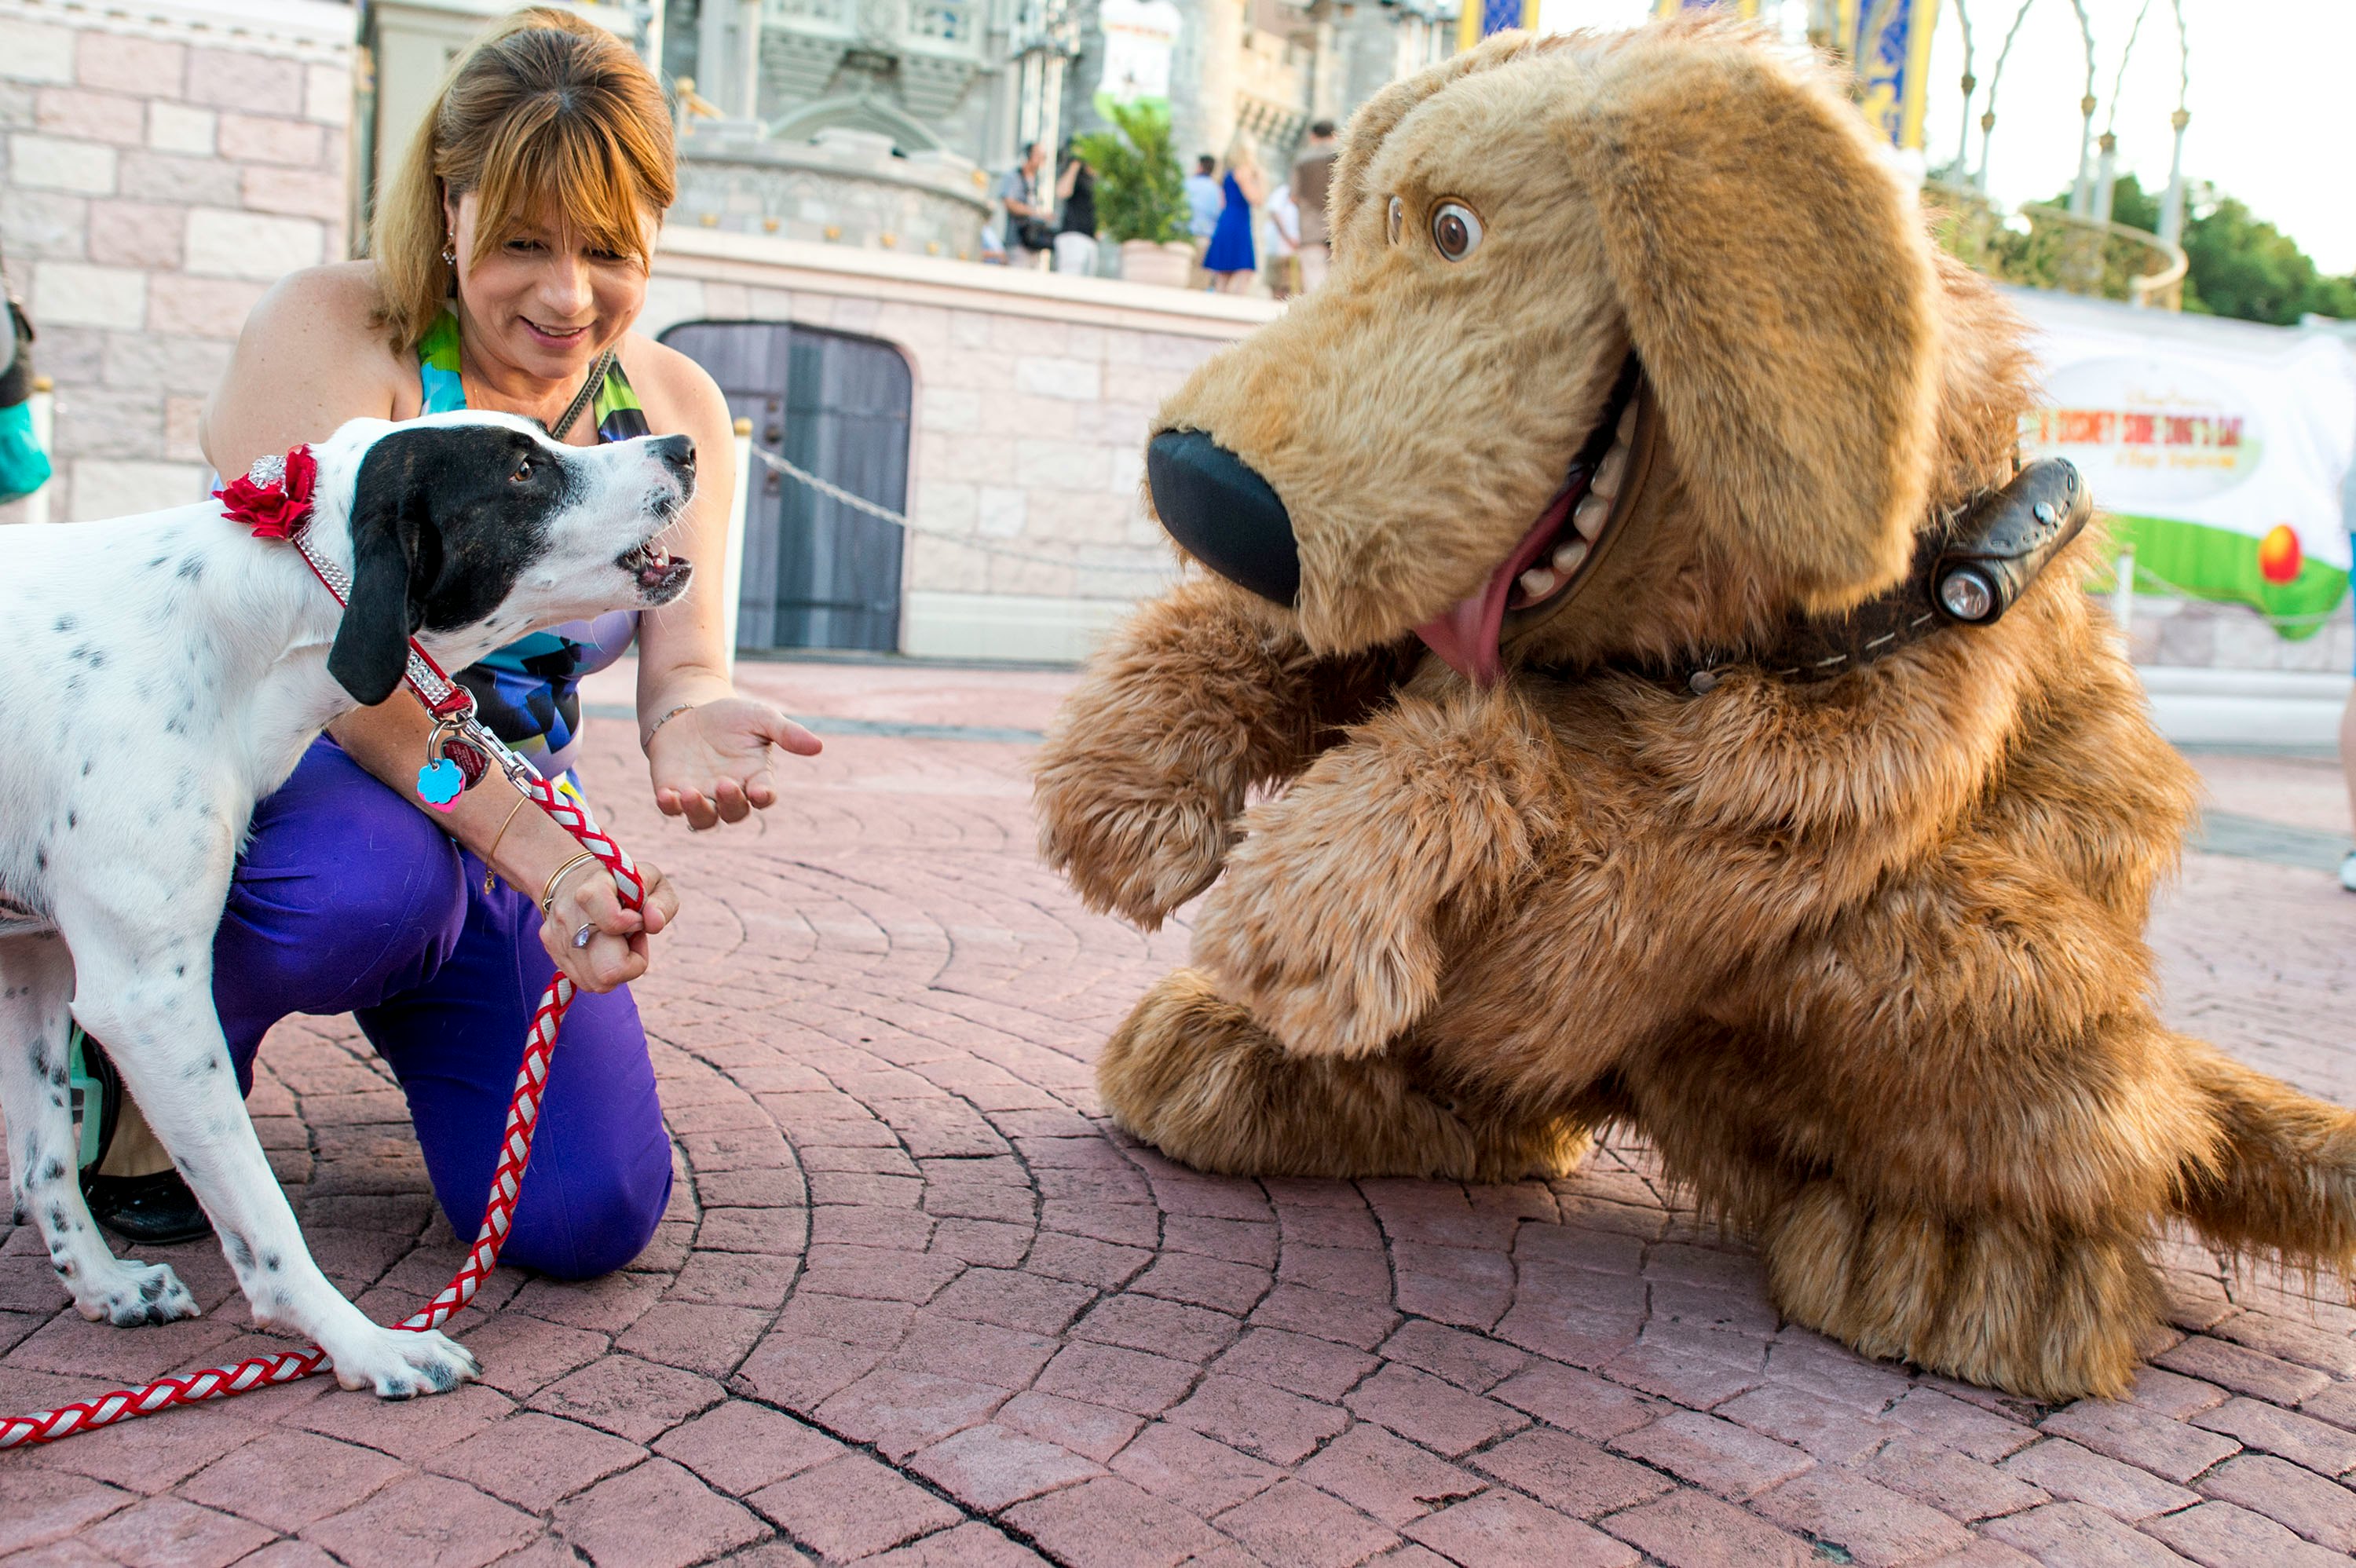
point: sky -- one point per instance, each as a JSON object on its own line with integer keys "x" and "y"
{"x": 2273, "y": 98}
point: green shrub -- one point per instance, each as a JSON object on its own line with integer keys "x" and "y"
{"x": 1140, "y": 189}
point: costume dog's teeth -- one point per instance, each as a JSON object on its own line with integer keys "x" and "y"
{"x": 1537, "y": 582}
{"x": 1590, "y": 516}
{"x": 1608, "y": 473}
{"x": 1569, "y": 557}
{"x": 1627, "y": 424}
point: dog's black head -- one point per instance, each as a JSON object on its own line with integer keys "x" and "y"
{"x": 471, "y": 529}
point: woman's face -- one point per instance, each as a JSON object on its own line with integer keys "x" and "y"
{"x": 544, "y": 301}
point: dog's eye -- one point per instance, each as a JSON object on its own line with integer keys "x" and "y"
{"x": 522, "y": 473}
{"x": 1397, "y": 220}
{"x": 1455, "y": 230}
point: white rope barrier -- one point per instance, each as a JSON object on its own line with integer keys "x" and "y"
{"x": 971, "y": 541}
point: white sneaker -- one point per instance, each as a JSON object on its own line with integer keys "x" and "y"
{"x": 2348, "y": 871}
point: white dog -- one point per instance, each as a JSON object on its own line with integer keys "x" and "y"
{"x": 165, "y": 671}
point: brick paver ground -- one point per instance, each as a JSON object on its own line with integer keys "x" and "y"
{"x": 915, "y": 1302}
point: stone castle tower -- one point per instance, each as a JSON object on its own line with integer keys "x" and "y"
{"x": 882, "y": 123}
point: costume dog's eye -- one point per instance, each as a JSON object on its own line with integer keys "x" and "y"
{"x": 1455, "y": 230}
{"x": 1397, "y": 220}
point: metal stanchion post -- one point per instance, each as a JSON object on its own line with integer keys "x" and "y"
{"x": 731, "y": 569}
{"x": 2123, "y": 592}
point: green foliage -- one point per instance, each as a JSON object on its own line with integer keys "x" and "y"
{"x": 2243, "y": 266}
{"x": 1141, "y": 189}
{"x": 2240, "y": 265}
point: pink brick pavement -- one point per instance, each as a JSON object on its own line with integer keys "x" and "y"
{"x": 915, "y": 1304}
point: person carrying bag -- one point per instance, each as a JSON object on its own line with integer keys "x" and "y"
{"x": 24, "y": 466}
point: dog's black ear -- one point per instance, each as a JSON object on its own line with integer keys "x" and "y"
{"x": 371, "y": 647}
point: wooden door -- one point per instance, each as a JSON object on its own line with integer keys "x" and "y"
{"x": 818, "y": 574}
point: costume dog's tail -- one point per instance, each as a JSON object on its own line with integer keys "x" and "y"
{"x": 2283, "y": 1175}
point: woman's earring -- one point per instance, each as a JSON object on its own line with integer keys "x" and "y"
{"x": 450, "y": 256}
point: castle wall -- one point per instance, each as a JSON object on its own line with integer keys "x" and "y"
{"x": 163, "y": 166}
{"x": 1033, "y": 398}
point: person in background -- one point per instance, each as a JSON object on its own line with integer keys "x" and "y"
{"x": 1030, "y": 219}
{"x": 1312, "y": 176}
{"x": 1076, "y": 238}
{"x": 1283, "y": 244}
{"x": 1202, "y": 204}
{"x": 1230, "y": 259}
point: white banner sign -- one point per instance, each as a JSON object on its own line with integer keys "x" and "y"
{"x": 2190, "y": 420}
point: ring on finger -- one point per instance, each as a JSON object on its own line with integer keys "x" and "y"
{"x": 581, "y": 937}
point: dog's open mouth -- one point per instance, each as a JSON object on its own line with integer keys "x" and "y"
{"x": 660, "y": 574}
{"x": 1536, "y": 579}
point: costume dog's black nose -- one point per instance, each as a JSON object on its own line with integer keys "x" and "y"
{"x": 677, "y": 454}
{"x": 1227, "y": 516}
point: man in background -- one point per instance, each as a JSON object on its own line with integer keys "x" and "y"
{"x": 1029, "y": 218}
{"x": 1310, "y": 177}
{"x": 1203, "y": 200}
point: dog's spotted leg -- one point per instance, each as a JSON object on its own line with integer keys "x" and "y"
{"x": 35, "y": 980}
{"x": 157, "y": 1016}
{"x": 1324, "y": 924}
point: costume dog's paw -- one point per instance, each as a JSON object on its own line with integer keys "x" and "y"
{"x": 1135, "y": 843}
{"x": 400, "y": 1363}
{"x": 1322, "y": 954}
{"x": 131, "y": 1294}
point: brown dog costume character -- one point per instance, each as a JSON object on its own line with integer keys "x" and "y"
{"x": 1854, "y": 937}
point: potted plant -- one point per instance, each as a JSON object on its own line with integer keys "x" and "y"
{"x": 1141, "y": 193}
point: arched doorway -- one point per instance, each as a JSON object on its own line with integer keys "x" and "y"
{"x": 818, "y": 574}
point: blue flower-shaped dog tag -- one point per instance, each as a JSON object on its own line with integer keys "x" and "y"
{"x": 440, "y": 783}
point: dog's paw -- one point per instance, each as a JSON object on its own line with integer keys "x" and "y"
{"x": 131, "y": 1294}
{"x": 1326, "y": 970}
{"x": 400, "y": 1363}
{"x": 1133, "y": 843}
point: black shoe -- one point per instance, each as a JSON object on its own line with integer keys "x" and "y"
{"x": 153, "y": 1209}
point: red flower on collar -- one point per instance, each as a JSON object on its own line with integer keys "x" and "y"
{"x": 274, "y": 497}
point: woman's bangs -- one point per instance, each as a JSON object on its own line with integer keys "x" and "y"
{"x": 559, "y": 174}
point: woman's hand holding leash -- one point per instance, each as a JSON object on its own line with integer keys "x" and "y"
{"x": 594, "y": 941}
{"x": 710, "y": 761}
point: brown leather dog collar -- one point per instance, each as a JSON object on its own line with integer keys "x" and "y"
{"x": 1970, "y": 566}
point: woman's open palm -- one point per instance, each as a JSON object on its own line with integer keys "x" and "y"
{"x": 712, "y": 763}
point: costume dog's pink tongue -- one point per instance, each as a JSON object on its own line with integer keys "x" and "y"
{"x": 1467, "y": 635}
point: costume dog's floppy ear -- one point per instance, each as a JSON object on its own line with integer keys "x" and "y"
{"x": 391, "y": 535}
{"x": 1779, "y": 288}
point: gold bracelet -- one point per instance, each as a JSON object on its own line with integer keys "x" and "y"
{"x": 548, "y": 893}
{"x": 521, "y": 800}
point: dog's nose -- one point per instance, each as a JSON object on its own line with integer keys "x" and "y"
{"x": 1226, "y": 515}
{"x": 677, "y": 454}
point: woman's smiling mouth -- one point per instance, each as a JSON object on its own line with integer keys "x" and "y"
{"x": 555, "y": 336}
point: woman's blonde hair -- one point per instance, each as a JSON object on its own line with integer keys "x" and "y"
{"x": 546, "y": 113}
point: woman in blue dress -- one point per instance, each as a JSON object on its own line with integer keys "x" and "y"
{"x": 1231, "y": 260}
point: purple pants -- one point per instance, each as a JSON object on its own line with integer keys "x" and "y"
{"x": 348, "y": 899}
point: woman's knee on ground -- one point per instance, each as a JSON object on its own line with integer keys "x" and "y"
{"x": 605, "y": 1218}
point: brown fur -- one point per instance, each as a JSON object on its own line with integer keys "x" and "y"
{"x": 1864, "y": 958}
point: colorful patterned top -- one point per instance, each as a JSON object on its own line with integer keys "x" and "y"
{"x": 528, "y": 693}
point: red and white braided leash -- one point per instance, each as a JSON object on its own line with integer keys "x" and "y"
{"x": 458, "y": 733}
